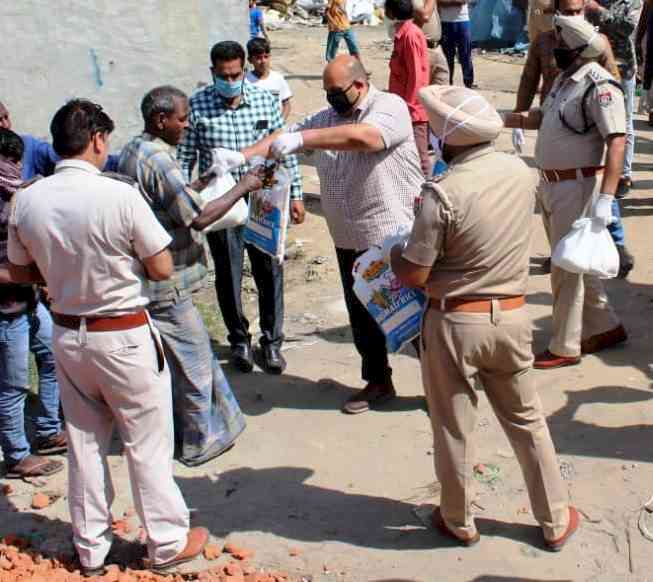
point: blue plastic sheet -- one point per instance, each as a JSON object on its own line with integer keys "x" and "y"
{"x": 497, "y": 23}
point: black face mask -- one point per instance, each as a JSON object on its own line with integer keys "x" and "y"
{"x": 565, "y": 57}
{"x": 340, "y": 102}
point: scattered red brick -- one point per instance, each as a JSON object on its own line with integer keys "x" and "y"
{"x": 7, "y": 489}
{"x": 40, "y": 501}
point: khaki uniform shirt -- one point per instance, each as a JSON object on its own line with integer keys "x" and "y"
{"x": 433, "y": 28}
{"x": 88, "y": 235}
{"x": 559, "y": 148}
{"x": 474, "y": 226}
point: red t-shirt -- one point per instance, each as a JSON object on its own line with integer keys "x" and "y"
{"x": 409, "y": 68}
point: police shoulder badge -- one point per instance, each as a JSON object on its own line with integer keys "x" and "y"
{"x": 605, "y": 98}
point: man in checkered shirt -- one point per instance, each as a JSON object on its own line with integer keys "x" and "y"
{"x": 370, "y": 176}
{"x": 234, "y": 114}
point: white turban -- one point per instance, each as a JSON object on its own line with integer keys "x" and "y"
{"x": 460, "y": 116}
{"x": 577, "y": 32}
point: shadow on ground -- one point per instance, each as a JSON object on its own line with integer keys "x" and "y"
{"x": 295, "y": 509}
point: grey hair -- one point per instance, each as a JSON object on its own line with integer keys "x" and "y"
{"x": 160, "y": 100}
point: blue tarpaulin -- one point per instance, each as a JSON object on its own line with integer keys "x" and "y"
{"x": 497, "y": 23}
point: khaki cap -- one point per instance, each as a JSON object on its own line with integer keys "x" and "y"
{"x": 460, "y": 116}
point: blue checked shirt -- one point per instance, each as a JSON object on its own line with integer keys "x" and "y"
{"x": 214, "y": 125}
{"x": 151, "y": 162}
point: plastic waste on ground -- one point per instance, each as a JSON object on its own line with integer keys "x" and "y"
{"x": 269, "y": 210}
{"x": 398, "y": 310}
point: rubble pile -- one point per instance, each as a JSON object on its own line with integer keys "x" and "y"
{"x": 19, "y": 563}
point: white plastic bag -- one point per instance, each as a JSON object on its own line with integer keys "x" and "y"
{"x": 269, "y": 212}
{"x": 398, "y": 310}
{"x": 588, "y": 249}
{"x": 237, "y": 214}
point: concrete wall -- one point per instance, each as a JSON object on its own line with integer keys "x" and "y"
{"x": 110, "y": 51}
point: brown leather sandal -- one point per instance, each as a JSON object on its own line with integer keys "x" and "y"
{"x": 557, "y": 544}
{"x": 197, "y": 538}
{"x": 438, "y": 523}
{"x": 52, "y": 445}
{"x": 33, "y": 466}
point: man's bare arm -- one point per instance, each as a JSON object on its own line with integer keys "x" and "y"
{"x": 523, "y": 120}
{"x": 159, "y": 267}
{"x": 217, "y": 208}
{"x": 410, "y": 274}
{"x": 614, "y": 160}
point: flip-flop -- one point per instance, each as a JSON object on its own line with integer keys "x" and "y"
{"x": 43, "y": 468}
{"x": 54, "y": 445}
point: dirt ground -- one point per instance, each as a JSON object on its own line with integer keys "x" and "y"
{"x": 345, "y": 494}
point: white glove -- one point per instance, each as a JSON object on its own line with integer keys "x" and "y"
{"x": 225, "y": 160}
{"x": 518, "y": 140}
{"x": 286, "y": 144}
{"x": 603, "y": 209}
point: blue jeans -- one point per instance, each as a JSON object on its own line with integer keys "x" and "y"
{"x": 457, "y": 38}
{"x": 333, "y": 42}
{"x": 207, "y": 415}
{"x": 628, "y": 85}
{"x": 18, "y": 336}
{"x": 616, "y": 229}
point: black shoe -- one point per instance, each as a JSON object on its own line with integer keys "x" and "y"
{"x": 546, "y": 266}
{"x": 90, "y": 572}
{"x": 241, "y": 356}
{"x": 626, "y": 262}
{"x": 273, "y": 361}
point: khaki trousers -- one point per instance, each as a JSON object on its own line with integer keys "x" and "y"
{"x": 581, "y": 307}
{"x": 439, "y": 67}
{"x": 107, "y": 379}
{"x": 460, "y": 349}
{"x": 421, "y": 134}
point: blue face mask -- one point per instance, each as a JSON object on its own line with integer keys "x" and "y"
{"x": 228, "y": 89}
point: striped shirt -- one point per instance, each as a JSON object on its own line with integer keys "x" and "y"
{"x": 368, "y": 196}
{"x": 151, "y": 162}
{"x": 215, "y": 125}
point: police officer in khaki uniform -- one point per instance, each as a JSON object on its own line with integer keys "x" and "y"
{"x": 428, "y": 19}
{"x": 540, "y": 18}
{"x": 469, "y": 248}
{"x": 583, "y": 112}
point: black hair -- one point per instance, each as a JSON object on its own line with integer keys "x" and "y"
{"x": 227, "y": 50}
{"x": 400, "y": 9}
{"x": 160, "y": 100}
{"x": 75, "y": 124}
{"x": 258, "y": 46}
{"x": 11, "y": 145}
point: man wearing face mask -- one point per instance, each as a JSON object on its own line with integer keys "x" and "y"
{"x": 469, "y": 249}
{"x": 232, "y": 114}
{"x": 541, "y": 65}
{"x": 583, "y": 114}
{"x": 370, "y": 177}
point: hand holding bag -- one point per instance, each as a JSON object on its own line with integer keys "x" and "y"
{"x": 237, "y": 214}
